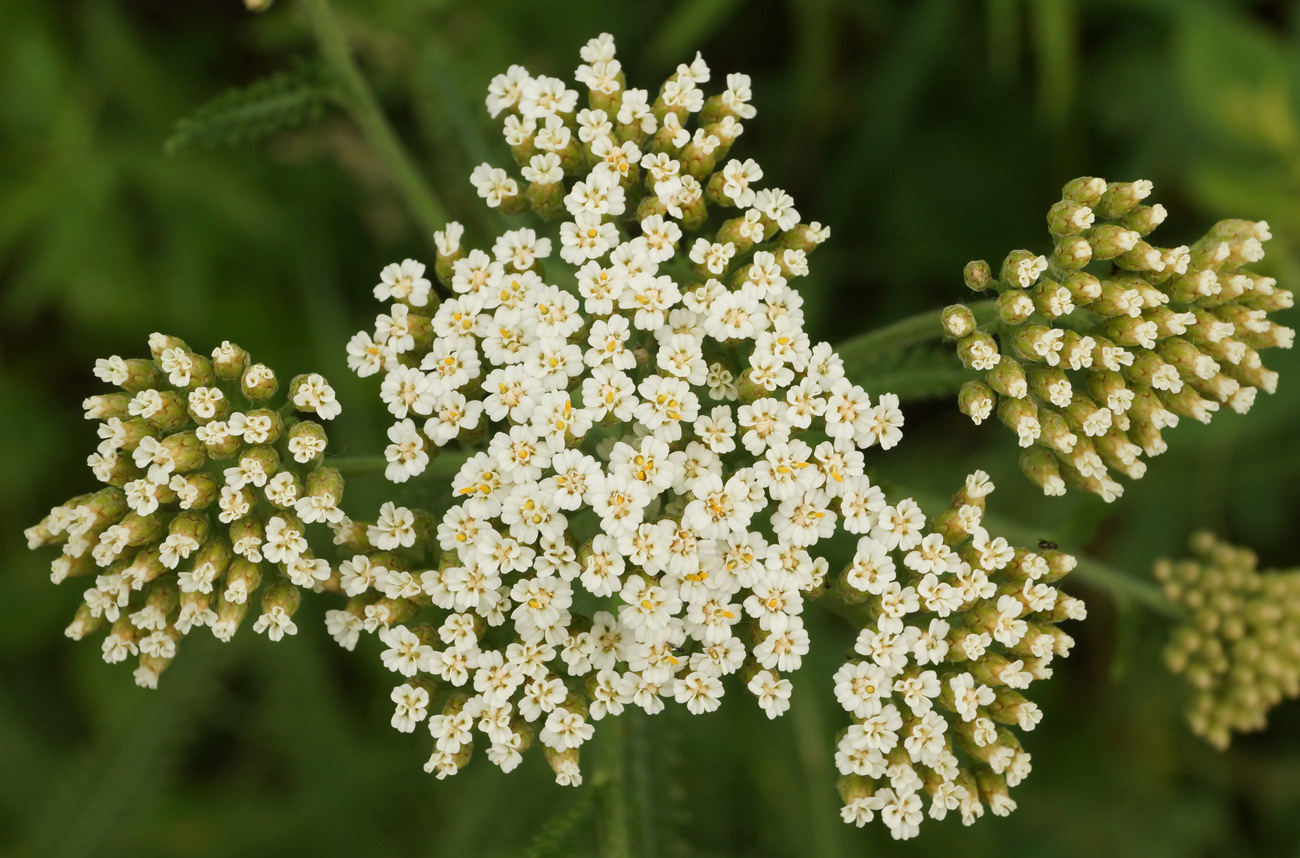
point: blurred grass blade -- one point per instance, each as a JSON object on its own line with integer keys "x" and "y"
{"x": 685, "y": 28}
{"x": 110, "y": 787}
{"x": 1056, "y": 43}
{"x": 1003, "y": 17}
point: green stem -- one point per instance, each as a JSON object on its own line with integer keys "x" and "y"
{"x": 445, "y": 465}
{"x": 365, "y": 109}
{"x": 811, "y": 745}
{"x": 917, "y": 384}
{"x": 920, "y": 328}
{"x": 358, "y": 465}
{"x": 616, "y": 841}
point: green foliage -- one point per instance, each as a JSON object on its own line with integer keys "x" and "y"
{"x": 922, "y": 132}
{"x": 572, "y": 827}
{"x": 923, "y": 372}
{"x": 282, "y": 101}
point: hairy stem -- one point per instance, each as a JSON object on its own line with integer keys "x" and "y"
{"x": 611, "y": 778}
{"x": 360, "y": 101}
{"x": 920, "y": 328}
{"x": 445, "y": 465}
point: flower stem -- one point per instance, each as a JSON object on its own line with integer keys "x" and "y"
{"x": 810, "y": 732}
{"x": 445, "y": 465}
{"x": 611, "y": 777}
{"x": 358, "y": 465}
{"x": 920, "y": 328}
{"x": 913, "y": 384}
{"x": 360, "y": 101}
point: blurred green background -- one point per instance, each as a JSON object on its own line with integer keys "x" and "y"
{"x": 925, "y": 132}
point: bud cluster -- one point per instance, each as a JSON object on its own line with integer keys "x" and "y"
{"x": 959, "y": 625}
{"x": 655, "y": 447}
{"x": 1088, "y": 367}
{"x": 208, "y": 489}
{"x": 1240, "y": 648}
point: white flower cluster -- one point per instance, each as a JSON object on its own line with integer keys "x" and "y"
{"x": 198, "y": 496}
{"x": 1093, "y": 366}
{"x": 665, "y": 446}
{"x": 1239, "y": 648}
{"x": 959, "y": 624}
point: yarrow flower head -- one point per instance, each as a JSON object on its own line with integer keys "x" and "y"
{"x": 958, "y": 624}
{"x": 1088, "y": 367}
{"x": 1239, "y": 648}
{"x": 209, "y": 488}
{"x": 648, "y": 445}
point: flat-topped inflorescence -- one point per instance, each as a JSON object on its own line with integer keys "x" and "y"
{"x": 653, "y": 447}
{"x": 1092, "y": 353}
{"x": 1240, "y": 647}
{"x": 209, "y": 486}
{"x": 959, "y": 624}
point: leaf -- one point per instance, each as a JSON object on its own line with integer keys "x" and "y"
{"x": 929, "y": 372}
{"x": 282, "y": 101}
{"x": 560, "y": 831}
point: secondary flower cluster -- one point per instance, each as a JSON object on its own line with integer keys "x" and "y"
{"x": 958, "y": 625}
{"x": 199, "y": 495}
{"x": 664, "y": 444}
{"x": 1240, "y": 649}
{"x": 1088, "y": 368}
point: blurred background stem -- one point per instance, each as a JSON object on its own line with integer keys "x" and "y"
{"x": 611, "y": 780}
{"x": 361, "y": 103}
{"x": 910, "y": 331}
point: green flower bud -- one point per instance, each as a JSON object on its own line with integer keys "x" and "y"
{"x": 1121, "y": 198}
{"x": 1056, "y": 434}
{"x": 229, "y": 362}
{"x": 258, "y": 383}
{"x": 978, "y": 351}
{"x": 1072, "y": 254}
{"x": 107, "y": 406}
{"x": 1084, "y": 288}
{"x": 1109, "y": 240}
{"x": 159, "y": 343}
{"x": 1008, "y": 378}
{"x": 958, "y": 321}
{"x": 1022, "y": 268}
{"x": 1085, "y": 191}
{"x": 171, "y": 412}
{"x": 977, "y": 275}
{"x": 976, "y": 401}
{"x": 1014, "y": 307}
{"x": 1141, "y": 257}
{"x": 1068, "y": 218}
{"x": 1144, "y": 219}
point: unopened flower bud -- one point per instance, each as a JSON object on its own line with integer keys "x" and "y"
{"x": 1085, "y": 191}
{"x": 1014, "y": 307}
{"x": 958, "y": 321}
{"x": 1121, "y": 198}
{"x": 1067, "y": 218}
{"x": 976, "y": 401}
{"x": 258, "y": 383}
{"x": 1072, "y": 254}
{"x": 977, "y": 275}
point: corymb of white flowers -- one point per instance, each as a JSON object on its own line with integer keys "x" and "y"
{"x": 664, "y": 444}
{"x": 665, "y": 449}
{"x": 644, "y": 450}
